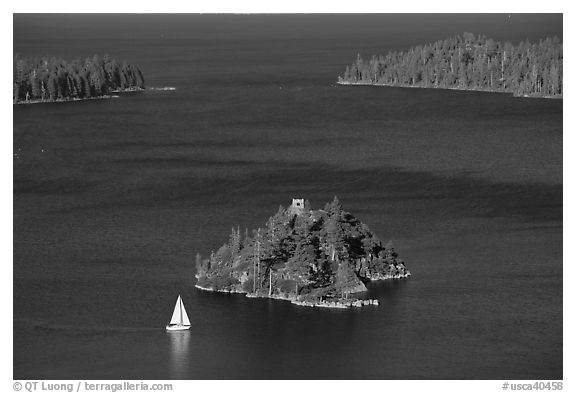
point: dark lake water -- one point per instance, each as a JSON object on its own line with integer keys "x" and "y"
{"x": 113, "y": 199}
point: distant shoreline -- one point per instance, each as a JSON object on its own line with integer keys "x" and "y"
{"x": 76, "y": 99}
{"x": 344, "y": 83}
{"x": 61, "y": 100}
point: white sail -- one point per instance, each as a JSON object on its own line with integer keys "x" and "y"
{"x": 185, "y": 320}
{"x": 177, "y": 314}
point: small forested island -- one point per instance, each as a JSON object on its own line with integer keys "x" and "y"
{"x": 43, "y": 79}
{"x": 310, "y": 257}
{"x": 467, "y": 62}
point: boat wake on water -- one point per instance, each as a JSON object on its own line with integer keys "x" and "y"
{"x": 165, "y": 88}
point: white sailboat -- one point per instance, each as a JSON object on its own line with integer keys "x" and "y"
{"x": 179, "y": 319}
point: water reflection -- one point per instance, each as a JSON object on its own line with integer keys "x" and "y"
{"x": 179, "y": 354}
{"x": 386, "y": 290}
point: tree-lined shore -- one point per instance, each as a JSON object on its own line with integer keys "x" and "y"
{"x": 43, "y": 79}
{"x": 467, "y": 62}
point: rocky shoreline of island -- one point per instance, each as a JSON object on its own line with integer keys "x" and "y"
{"x": 334, "y": 303}
{"x": 338, "y": 303}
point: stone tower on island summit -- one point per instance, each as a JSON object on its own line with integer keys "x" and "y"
{"x": 297, "y": 206}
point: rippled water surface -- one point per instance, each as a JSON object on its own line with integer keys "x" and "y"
{"x": 113, "y": 199}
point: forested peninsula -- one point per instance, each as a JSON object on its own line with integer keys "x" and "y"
{"x": 55, "y": 79}
{"x": 310, "y": 257}
{"x": 467, "y": 62}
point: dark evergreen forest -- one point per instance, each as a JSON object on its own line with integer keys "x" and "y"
{"x": 467, "y": 62}
{"x": 55, "y": 79}
{"x": 302, "y": 252}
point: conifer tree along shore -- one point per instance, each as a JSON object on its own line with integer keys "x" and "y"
{"x": 467, "y": 62}
{"x": 54, "y": 79}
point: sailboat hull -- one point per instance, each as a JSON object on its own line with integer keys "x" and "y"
{"x": 177, "y": 327}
